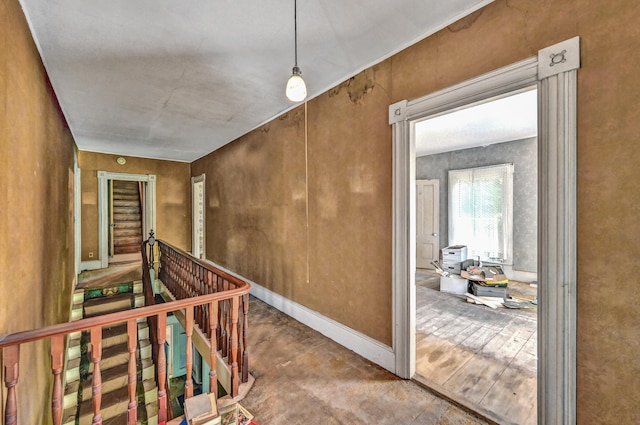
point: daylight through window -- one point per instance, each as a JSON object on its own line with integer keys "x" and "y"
{"x": 481, "y": 211}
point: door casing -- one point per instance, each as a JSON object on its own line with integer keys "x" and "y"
{"x": 554, "y": 71}
{"x": 198, "y": 211}
{"x": 149, "y": 216}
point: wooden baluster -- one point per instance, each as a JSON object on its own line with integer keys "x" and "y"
{"x": 96, "y": 355}
{"x": 200, "y": 291}
{"x": 11, "y": 361}
{"x": 213, "y": 322}
{"x": 132, "y": 342}
{"x": 203, "y": 308}
{"x": 217, "y": 318}
{"x": 235, "y": 382}
{"x": 221, "y": 330}
{"x": 245, "y": 338}
{"x": 188, "y": 385}
{"x": 223, "y": 325}
{"x": 57, "y": 363}
{"x": 162, "y": 367}
{"x": 230, "y": 328}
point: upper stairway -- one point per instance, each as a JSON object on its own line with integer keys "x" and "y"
{"x": 126, "y": 217}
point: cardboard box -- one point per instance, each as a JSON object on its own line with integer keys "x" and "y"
{"x": 453, "y": 284}
{"x": 454, "y": 253}
{"x": 201, "y": 410}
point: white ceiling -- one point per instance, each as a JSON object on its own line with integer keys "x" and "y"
{"x": 172, "y": 79}
{"x": 513, "y": 117}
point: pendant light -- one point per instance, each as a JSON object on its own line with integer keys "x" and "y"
{"x": 296, "y": 88}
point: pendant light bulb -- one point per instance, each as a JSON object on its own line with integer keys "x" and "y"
{"x": 296, "y": 88}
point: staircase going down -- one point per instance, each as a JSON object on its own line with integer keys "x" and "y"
{"x": 77, "y": 402}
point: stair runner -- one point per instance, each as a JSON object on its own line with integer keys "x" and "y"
{"x": 77, "y": 405}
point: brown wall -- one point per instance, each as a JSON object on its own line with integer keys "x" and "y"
{"x": 173, "y": 197}
{"x": 256, "y": 185}
{"x": 257, "y": 217}
{"x": 36, "y": 218}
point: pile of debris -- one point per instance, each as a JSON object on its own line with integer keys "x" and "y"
{"x": 480, "y": 283}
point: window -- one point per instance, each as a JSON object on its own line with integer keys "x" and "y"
{"x": 481, "y": 211}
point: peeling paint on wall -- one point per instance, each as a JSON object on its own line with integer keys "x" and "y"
{"x": 466, "y": 22}
{"x": 357, "y": 87}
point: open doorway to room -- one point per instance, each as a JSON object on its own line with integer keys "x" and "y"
{"x": 554, "y": 71}
{"x": 476, "y": 186}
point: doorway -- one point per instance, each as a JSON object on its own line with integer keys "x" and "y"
{"x": 427, "y": 222}
{"x": 486, "y": 156}
{"x": 556, "y": 79}
{"x": 125, "y": 221}
{"x": 146, "y": 187}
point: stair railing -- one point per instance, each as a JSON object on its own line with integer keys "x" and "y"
{"x": 185, "y": 276}
{"x": 234, "y": 294}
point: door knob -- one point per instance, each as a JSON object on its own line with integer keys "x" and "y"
{"x": 434, "y": 234}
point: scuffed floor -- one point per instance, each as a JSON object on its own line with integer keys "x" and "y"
{"x": 303, "y": 377}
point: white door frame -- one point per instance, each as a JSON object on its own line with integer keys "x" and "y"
{"x": 554, "y": 71}
{"x": 194, "y": 228}
{"x": 149, "y": 219}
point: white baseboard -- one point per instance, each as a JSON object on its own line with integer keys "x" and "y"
{"x": 90, "y": 265}
{"x": 355, "y": 341}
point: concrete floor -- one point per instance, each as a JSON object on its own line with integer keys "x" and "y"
{"x": 303, "y": 377}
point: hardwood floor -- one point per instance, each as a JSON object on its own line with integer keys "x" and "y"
{"x": 482, "y": 358}
{"x": 302, "y": 377}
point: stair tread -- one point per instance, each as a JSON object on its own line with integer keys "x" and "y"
{"x": 111, "y": 357}
{"x": 112, "y": 404}
{"x": 110, "y": 304}
{"x": 107, "y": 300}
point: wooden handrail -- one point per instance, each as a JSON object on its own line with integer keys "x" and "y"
{"x": 118, "y": 317}
{"x": 228, "y": 301}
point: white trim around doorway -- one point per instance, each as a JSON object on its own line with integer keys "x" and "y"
{"x": 149, "y": 222}
{"x": 554, "y": 71}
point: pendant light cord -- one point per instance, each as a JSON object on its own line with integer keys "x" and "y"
{"x": 295, "y": 30}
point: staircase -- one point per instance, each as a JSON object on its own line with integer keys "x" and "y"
{"x": 127, "y": 218}
{"x": 77, "y": 402}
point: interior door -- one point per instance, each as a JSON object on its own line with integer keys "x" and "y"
{"x": 427, "y": 222}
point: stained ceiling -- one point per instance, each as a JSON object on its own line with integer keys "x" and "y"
{"x": 175, "y": 80}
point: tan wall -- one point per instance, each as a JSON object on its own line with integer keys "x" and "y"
{"x": 256, "y": 186}
{"x": 257, "y": 217}
{"x": 36, "y": 218}
{"x": 173, "y": 197}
